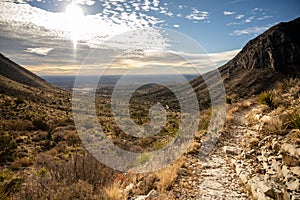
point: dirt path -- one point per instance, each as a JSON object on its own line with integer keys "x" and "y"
{"x": 214, "y": 178}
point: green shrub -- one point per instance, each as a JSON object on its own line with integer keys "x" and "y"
{"x": 295, "y": 120}
{"x": 143, "y": 158}
{"x": 67, "y": 121}
{"x": 267, "y": 98}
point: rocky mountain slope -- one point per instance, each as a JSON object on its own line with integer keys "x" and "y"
{"x": 269, "y": 58}
{"x": 264, "y": 60}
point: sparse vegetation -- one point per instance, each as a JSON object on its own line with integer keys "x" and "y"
{"x": 267, "y": 98}
{"x": 7, "y": 148}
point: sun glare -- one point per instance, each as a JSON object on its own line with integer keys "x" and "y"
{"x": 74, "y": 17}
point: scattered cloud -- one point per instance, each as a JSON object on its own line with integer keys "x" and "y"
{"x": 249, "y": 31}
{"x": 228, "y": 13}
{"x": 197, "y": 15}
{"x": 85, "y": 2}
{"x": 264, "y": 17}
{"x": 176, "y": 25}
{"x": 249, "y": 19}
{"x": 24, "y": 21}
{"x": 256, "y": 10}
{"x": 40, "y": 50}
{"x": 239, "y": 16}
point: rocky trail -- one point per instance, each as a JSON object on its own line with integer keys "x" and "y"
{"x": 215, "y": 177}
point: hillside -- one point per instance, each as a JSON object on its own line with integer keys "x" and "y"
{"x": 15, "y": 72}
{"x": 18, "y": 82}
{"x": 269, "y": 58}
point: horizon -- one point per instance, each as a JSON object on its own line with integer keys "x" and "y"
{"x": 57, "y": 38}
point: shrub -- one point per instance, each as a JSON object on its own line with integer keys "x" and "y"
{"x": 23, "y": 125}
{"x": 9, "y": 187}
{"x": 19, "y": 101}
{"x": 143, "y": 158}
{"x": 229, "y": 99}
{"x": 267, "y": 98}
{"x": 7, "y": 148}
{"x": 114, "y": 192}
{"x": 66, "y": 122}
{"x": 40, "y": 125}
{"x": 21, "y": 163}
{"x": 295, "y": 120}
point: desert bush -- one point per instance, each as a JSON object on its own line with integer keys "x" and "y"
{"x": 168, "y": 175}
{"x": 72, "y": 138}
{"x": 19, "y": 101}
{"x": 229, "y": 99}
{"x": 9, "y": 187}
{"x": 267, "y": 98}
{"x": 143, "y": 158}
{"x": 40, "y": 136}
{"x": 205, "y": 119}
{"x": 66, "y": 122}
{"x": 78, "y": 167}
{"x": 79, "y": 177}
{"x": 21, "y": 163}
{"x": 294, "y": 120}
{"x": 23, "y": 125}
{"x": 7, "y": 148}
{"x": 114, "y": 192}
{"x": 40, "y": 125}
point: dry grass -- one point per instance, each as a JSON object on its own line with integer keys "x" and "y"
{"x": 168, "y": 175}
{"x": 114, "y": 192}
{"x": 275, "y": 125}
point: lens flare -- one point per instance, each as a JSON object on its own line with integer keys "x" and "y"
{"x": 74, "y": 17}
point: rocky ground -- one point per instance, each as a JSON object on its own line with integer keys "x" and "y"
{"x": 213, "y": 178}
{"x": 257, "y": 157}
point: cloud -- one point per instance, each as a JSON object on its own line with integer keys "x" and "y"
{"x": 175, "y": 60}
{"x": 197, "y": 15}
{"x": 228, "y": 13}
{"x": 252, "y": 30}
{"x": 256, "y": 10}
{"x": 24, "y": 21}
{"x": 85, "y": 2}
{"x": 40, "y": 50}
{"x": 239, "y": 16}
{"x": 176, "y": 25}
{"x": 264, "y": 17}
{"x": 249, "y": 19}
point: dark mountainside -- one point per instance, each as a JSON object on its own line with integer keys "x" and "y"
{"x": 15, "y": 72}
{"x": 19, "y": 82}
{"x": 269, "y": 58}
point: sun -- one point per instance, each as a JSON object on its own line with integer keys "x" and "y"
{"x": 74, "y": 17}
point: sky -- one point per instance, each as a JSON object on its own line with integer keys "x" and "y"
{"x": 59, "y": 37}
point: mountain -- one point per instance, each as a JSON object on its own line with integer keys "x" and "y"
{"x": 268, "y": 58}
{"x": 15, "y": 72}
{"x": 18, "y": 82}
